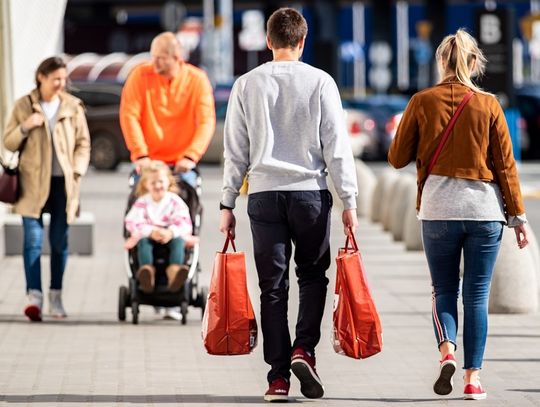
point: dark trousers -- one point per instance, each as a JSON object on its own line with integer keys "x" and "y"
{"x": 58, "y": 239}
{"x": 278, "y": 219}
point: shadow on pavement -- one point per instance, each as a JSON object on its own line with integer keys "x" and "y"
{"x": 395, "y": 400}
{"x": 135, "y": 399}
{"x": 512, "y": 360}
{"x": 526, "y": 390}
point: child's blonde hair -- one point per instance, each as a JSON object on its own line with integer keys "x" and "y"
{"x": 154, "y": 167}
{"x": 457, "y": 54}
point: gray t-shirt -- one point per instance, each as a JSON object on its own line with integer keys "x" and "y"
{"x": 449, "y": 198}
{"x": 285, "y": 128}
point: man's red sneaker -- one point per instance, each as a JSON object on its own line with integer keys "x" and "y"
{"x": 472, "y": 392}
{"x": 303, "y": 367}
{"x": 444, "y": 383}
{"x": 278, "y": 391}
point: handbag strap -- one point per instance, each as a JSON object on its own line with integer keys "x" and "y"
{"x": 448, "y": 130}
{"x": 352, "y": 240}
{"x": 226, "y": 245}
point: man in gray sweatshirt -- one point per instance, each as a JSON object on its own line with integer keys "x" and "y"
{"x": 285, "y": 131}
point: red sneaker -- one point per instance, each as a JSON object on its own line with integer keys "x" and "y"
{"x": 472, "y": 392}
{"x": 33, "y": 312}
{"x": 444, "y": 383}
{"x": 303, "y": 367}
{"x": 278, "y": 391}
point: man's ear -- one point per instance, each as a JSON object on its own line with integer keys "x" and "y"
{"x": 268, "y": 43}
{"x": 302, "y": 43}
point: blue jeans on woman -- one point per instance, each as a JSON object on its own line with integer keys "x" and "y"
{"x": 444, "y": 241}
{"x": 58, "y": 239}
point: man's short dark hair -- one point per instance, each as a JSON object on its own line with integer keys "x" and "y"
{"x": 286, "y": 27}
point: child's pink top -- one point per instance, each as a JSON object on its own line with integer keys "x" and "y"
{"x": 171, "y": 212}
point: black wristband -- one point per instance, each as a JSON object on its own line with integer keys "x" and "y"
{"x": 221, "y": 207}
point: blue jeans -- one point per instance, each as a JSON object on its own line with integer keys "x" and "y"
{"x": 58, "y": 239}
{"x": 190, "y": 177}
{"x": 444, "y": 241}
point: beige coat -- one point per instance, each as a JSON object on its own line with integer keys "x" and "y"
{"x": 72, "y": 144}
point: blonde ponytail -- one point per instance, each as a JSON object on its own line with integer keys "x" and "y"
{"x": 457, "y": 54}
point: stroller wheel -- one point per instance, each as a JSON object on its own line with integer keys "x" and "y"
{"x": 201, "y": 299}
{"x": 135, "y": 312}
{"x": 184, "y": 311}
{"x": 123, "y": 296}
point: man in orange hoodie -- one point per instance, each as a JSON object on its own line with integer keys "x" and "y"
{"x": 167, "y": 109}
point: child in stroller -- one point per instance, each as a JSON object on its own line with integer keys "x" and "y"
{"x": 162, "y": 244}
{"x": 159, "y": 216}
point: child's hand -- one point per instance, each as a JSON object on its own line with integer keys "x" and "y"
{"x": 191, "y": 240}
{"x": 131, "y": 242}
{"x": 166, "y": 236}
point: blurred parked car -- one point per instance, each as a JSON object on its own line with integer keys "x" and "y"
{"x": 102, "y": 102}
{"x": 362, "y": 134}
{"x": 385, "y": 111}
{"x": 528, "y": 103}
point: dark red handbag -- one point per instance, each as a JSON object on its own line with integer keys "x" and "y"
{"x": 357, "y": 330}
{"x": 9, "y": 184}
{"x": 9, "y": 178}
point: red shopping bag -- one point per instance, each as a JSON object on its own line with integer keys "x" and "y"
{"x": 229, "y": 326}
{"x": 357, "y": 331}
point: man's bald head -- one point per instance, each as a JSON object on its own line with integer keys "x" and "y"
{"x": 167, "y": 43}
{"x": 166, "y": 53}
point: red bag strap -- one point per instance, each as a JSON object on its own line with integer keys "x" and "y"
{"x": 351, "y": 239}
{"x": 226, "y": 245}
{"x": 448, "y": 130}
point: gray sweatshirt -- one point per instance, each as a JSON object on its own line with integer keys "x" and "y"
{"x": 286, "y": 130}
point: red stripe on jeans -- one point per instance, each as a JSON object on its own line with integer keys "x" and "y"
{"x": 436, "y": 318}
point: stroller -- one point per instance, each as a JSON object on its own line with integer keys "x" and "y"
{"x": 192, "y": 292}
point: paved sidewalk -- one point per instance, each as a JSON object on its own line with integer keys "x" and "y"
{"x": 93, "y": 360}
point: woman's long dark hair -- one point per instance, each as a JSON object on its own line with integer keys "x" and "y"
{"x": 47, "y": 66}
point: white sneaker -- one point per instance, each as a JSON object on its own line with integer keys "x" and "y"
{"x": 56, "y": 308}
{"x": 35, "y": 303}
{"x": 173, "y": 313}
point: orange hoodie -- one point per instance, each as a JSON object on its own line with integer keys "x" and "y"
{"x": 167, "y": 121}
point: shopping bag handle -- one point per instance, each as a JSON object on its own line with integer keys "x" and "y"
{"x": 352, "y": 240}
{"x": 229, "y": 239}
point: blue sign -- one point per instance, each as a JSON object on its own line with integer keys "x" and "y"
{"x": 351, "y": 51}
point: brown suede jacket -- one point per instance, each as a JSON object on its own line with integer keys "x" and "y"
{"x": 479, "y": 147}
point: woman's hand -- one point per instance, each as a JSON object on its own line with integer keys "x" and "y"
{"x": 521, "y": 235}
{"x": 33, "y": 121}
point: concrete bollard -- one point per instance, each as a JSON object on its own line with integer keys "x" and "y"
{"x": 412, "y": 235}
{"x": 404, "y": 196}
{"x": 514, "y": 289}
{"x": 80, "y": 240}
{"x": 390, "y": 195}
{"x": 366, "y": 185}
{"x": 384, "y": 182}
{"x": 535, "y": 253}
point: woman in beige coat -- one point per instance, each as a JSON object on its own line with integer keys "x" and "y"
{"x": 49, "y": 126}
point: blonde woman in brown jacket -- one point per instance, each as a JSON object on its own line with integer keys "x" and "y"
{"x": 50, "y": 127}
{"x": 471, "y": 192}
